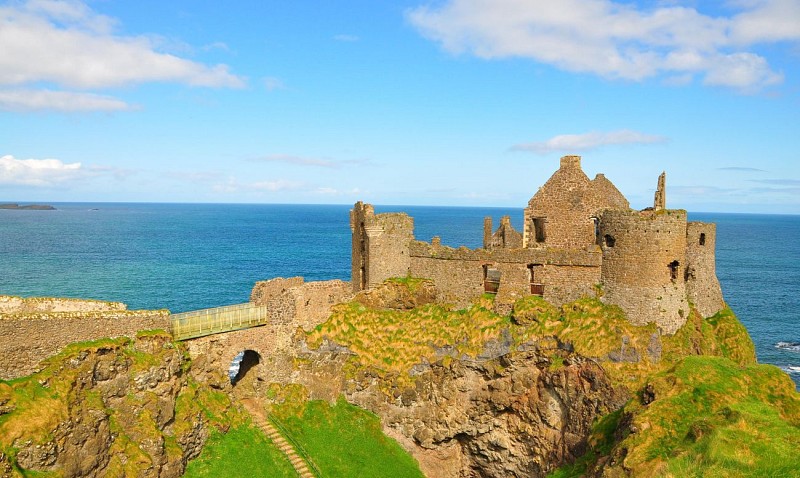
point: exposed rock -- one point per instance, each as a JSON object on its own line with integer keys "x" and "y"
{"x": 114, "y": 402}
{"x": 396, "y": 294}
{"x": 512, "y": 416}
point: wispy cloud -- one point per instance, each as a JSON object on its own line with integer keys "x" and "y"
{"x": 588, "y": 141}
{"x": 64, "y": 101}
{"x": 304, "y": 161}
{"x": 616, "y": 39}
{"x": 36, "y": 172}
{"x": 271, "y": 83}
{"x": 742, "y": 169}
{"x": 69, "y": 46}
{"x": 346, "y": 38}
{"x": 777, "y": 182}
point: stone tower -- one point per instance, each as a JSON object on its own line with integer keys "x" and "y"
{"x": 380, "y": 246}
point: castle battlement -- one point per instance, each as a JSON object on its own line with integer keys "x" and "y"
{"x": 578, "y": 234}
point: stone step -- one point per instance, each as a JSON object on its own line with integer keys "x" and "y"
{"x": 298, "y": 463}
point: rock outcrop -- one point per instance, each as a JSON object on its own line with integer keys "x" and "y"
{"x": 114, "y": 408}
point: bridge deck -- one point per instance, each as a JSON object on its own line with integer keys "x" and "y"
{"x": 198, "y": 323}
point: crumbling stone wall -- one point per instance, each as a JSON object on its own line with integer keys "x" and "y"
{"x": 702, "y": 285}
{"x": 459, "y": 273}
{"x": 379, "y": 246}
{"x": 28, "y": 338}
{"x": 644, "y": 261}
{"x": 563, "y": 212}
{"x": 17, "y": 305}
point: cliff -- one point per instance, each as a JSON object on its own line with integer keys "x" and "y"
{"x": 122, "y": 407}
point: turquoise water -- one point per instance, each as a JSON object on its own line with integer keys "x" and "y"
{"x": 190, "y": 256}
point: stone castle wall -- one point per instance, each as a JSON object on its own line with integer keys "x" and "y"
{"x": 380, "y": 245}
{"x": 702, "y": 285}
{"x": 28, "y": 338}
{"x": 567, "y": 205}
{"x": 293, "y": 304}
{"x": 644, "y": 261}
{"x": 459, "y": 273}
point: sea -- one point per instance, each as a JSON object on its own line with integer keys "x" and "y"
{"x": 192, "y": 256}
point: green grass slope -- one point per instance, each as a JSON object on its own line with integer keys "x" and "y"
{"x": 345, "y": 441}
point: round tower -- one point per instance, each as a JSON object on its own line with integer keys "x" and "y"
{"x": 644, "y": 262}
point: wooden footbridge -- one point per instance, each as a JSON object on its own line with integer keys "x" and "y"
{"x": 198, "y": 323}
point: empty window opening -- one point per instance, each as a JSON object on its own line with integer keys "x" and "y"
{"x": 491, "y": 279}
{"x": 673, "y": 269}
{"x": 702, "y": 238}
{"x": 596, "y": 224}
{"x": 538, "y": 229}
{"x": 537, "y": 287}
{"x": 241, "y": 365}
{"x": 609, "y": 240}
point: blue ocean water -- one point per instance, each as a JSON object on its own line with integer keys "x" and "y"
{"x": 190, "y": 256}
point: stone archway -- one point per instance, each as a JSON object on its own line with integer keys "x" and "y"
{"x": 243, "y": 371}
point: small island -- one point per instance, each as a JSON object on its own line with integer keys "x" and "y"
{"x": 28, "y": 207}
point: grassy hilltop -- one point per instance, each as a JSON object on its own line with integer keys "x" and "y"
{"x": 699, "y": 403}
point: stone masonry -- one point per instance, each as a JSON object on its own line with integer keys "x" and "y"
{"x": 580, "y": 238}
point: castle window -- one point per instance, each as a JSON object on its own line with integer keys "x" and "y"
{"x": 702, "y": 238}
{"x": 537, "y": 288}
{"x": 596, "y": 224}
{"x": 673, "y": 269}
{"x": 491, "y": 279}
{"x": 609, "y": 240}
{"x": 538, "y": 228}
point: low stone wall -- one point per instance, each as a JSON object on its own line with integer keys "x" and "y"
{"x": 18, "y": 305}
{"x": 28, "y": 338}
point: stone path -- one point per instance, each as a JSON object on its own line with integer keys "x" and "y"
{"x": 260, "y": 419}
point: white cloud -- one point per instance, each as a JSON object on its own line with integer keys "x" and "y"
{"x": 583, "y": 142}
{"x": 65, "y": 101}
{"x": 67, "y": 44}
{"x": 36, "y": 172}
{"x": 615, "y": 39}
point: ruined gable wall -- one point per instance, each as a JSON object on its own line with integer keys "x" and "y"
{"x": 562, "y": 202}
{"x": 607, "y": 196}
{"x": 636, "y": 272}
{"x": 28, "y": 338}
{"x": 702, "y": 285}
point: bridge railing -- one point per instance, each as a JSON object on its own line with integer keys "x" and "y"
{"x": 198, "y": 323}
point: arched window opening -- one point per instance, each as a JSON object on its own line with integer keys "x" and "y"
{"x": 673, "y": 269}
{"x": 702, "y": 238}
{"x": 609, "y": 240}
{"x": 241, "y": 365}
{"x": 596, "y": 225}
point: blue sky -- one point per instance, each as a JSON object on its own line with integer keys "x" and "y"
{"x": 457, "y": 102}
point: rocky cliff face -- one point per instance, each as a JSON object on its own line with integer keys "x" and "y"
{"x": 518, "y": 415}
{"x": 112, "y": 408}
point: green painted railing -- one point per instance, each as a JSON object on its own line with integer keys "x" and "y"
{"x": 198, "y": 323}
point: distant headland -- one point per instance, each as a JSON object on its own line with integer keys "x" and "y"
{"x": 28, "y": 207}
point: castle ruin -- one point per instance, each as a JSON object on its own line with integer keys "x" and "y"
{"x": 580, "y": 238}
